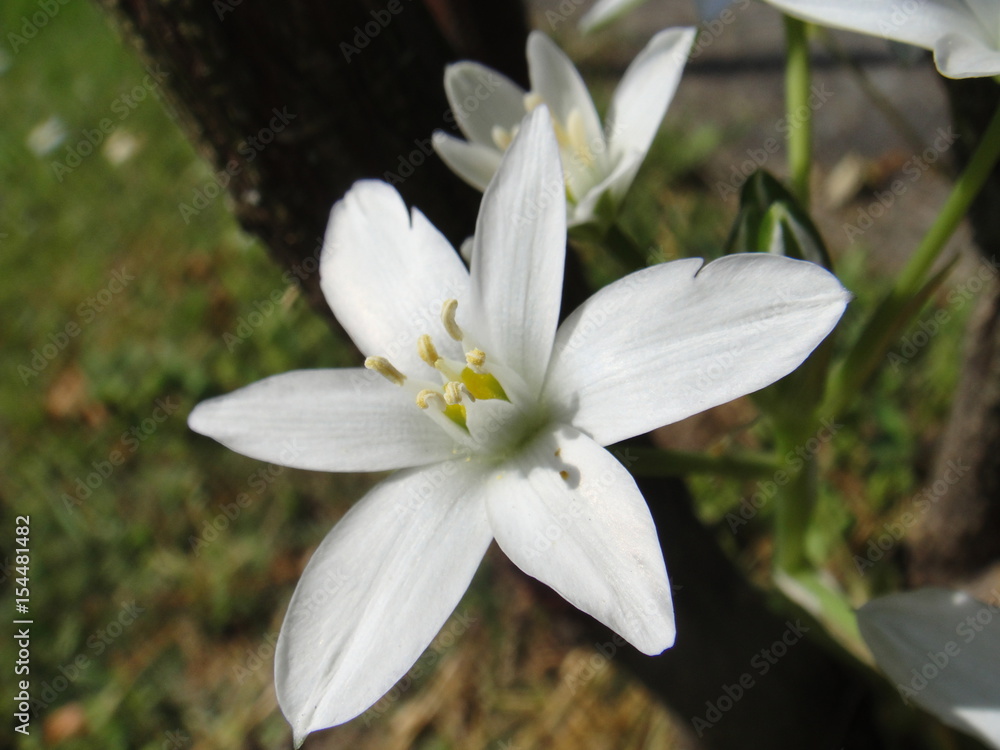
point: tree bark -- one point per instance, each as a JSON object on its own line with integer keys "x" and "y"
{"x": 957, "y": 542}
{"x": 295, "y": 101}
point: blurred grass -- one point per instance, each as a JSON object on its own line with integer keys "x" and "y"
{"x": 151, "y": 342}
{"x": 189, "y": 663}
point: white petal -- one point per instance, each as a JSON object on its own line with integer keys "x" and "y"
{"x": 324, "y": 420}
{"x": 566, "y": 512}
{"x": 377, "y": 591}
{"x": 642, "y": 98}
{"x": 942, "y": 650}
{"x": 482, "y": 99}
{"x": 558, "y": 82}
{"x": 519, "y": 251}
{"x": 386, "y": 274}
{"x": 675, "y": 339}
{"x": 964, "y": 43}
{"x": 473, "y": 162}
{"x": 617, "y": 182}
{"x": 604, "y": 12}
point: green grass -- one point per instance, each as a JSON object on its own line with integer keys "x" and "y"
{"x": 151, "y": 339}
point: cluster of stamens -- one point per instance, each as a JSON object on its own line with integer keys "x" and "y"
{"x": 462, "y": 382}
{"x": 571, "y": 135}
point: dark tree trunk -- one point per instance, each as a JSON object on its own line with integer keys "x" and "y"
{"x": 360, "y": 91}
{"x": 362, "y": 109}
{"x": 958, "y": 539}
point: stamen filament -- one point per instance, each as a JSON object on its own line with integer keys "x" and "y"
{"x": 446, "y": 368}
{"x": 427, "y": 399}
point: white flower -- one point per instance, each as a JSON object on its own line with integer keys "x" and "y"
{"x": 964, "y": 35}
{"x": 495, "y": 420}
{"x": 941, "y": 649}
{"x": 598, "y": 162}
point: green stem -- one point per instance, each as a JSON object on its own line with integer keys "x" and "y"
{"x": 897, "y": 308}
{"x": 966, "y": 189}
{"x": 794, "y": 503}
{"x": 654, "y": 462}
{"x": 625, "y": 248}
{"x": 798, "y": 111}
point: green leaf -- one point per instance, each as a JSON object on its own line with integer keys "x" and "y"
{"x": 771, "y": 220}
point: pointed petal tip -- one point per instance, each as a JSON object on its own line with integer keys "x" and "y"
{"x": 201, "y": 419}
{"x": 659, "y": 642}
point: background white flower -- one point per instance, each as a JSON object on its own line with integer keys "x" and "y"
{"x": 964, "y": 35}
{"x": 941, "y": 649}
{"x": 523, "y": 461}
{"x": 598, "y": 162}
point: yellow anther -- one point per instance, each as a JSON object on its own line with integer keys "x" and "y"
{"x": 501, "y": 137}
{"x": 476, "y": 359}
{"x": 428, "y": 398}
{"x": 448, "y": 319}
{"x": 426, "y": 350}
{"x": 532, "y": 100}
{"x": 453, "y": 392}
{"x": 384, "y": 368}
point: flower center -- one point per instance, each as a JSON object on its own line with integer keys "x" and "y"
{"x": 461, "y": 382}
{"x": 571, "y": 136}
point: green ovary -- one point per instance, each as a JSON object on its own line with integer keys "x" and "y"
{"x": 483, "y": 385}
